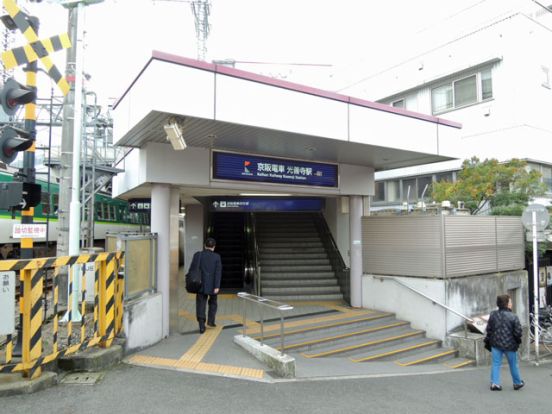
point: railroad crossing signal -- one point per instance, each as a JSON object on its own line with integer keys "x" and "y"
{"x": 36, "y": 49}
{"x": 13, "y": 95}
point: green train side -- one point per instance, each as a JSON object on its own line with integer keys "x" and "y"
{"x": 110, "y": 215}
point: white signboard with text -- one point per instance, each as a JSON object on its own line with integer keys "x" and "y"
{"x": 30, "y": 231}
{"x": 7, "y": 303}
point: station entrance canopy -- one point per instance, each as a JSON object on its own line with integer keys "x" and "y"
{"x": 232, "y": 111}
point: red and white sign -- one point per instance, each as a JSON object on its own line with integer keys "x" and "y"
{"x": 29, "y": 231}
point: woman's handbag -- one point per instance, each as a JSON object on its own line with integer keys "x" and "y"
{"x": 193, "y": 278}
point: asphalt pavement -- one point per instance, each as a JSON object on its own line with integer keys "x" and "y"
{"x": 132, "y": 389}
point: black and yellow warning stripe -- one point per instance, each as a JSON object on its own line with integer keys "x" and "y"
{"x": 51, "y": 262}
{"x": 34, "y": 51}
{"x": 83, "y": 301}
{"x": 120, "y": 291}
{"x": 32, "y": 319}
{"x": 22, "y": 24}
{"x": 32, "y": 278}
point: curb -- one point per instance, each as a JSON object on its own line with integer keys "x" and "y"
{"x": 15, "y": 384}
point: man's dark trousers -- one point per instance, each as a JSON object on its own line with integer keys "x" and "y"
{"x": 201, "y": 302}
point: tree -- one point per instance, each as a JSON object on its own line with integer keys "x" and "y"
{"x": 504, "y": 188}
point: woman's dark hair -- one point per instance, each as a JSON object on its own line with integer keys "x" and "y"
{"x": 502, "y": 301}
{"x": 210, "y": 242}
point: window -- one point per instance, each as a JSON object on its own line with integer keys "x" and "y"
{"x": 446, "y": 176}
{"x": 422, "y": 183}
{"x": 45, "y": 203}
{"x": 462, "y": 92}
{"x": 465, "y": 91}
{"x": 486, "y": 85}
{"x": 393, "y": 191}
{"x": 441, "y": 98}
{"x": 399, "y": 104}
{"x": 380, "y": 191}
{"x": 409, "y": 190}
{"x": 547, "y": 178}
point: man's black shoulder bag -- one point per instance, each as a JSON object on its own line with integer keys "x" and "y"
{"x": 193, "y": 277}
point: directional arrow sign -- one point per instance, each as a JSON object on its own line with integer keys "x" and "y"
{"x": 543, "y": 217}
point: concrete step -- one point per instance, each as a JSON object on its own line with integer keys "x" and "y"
{"x": 392, "y": 333}
{"x": 296, "y": 262}
{"x": 293, "y": 256}
{"x": 305, "y": 328}
{"x": 265, "y": 275}
{"x": 297, "y": 246}
{"x": 394, "y": 351}
{"x": 300, "y": 298}
{"x": 298, "y": 283}
{"x": 427, "y": 357}
{"x": 300, "y": 290}
{"x": 286, "y": 249}
{"x": 459, "y": 362}
{"x": 295, "y": 269}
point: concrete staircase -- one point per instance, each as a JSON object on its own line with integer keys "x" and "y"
{"x": 361, "y": 337}
{"x": 294, "y": 264}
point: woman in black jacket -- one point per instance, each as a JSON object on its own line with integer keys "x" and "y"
{"x": 504, "y": 336}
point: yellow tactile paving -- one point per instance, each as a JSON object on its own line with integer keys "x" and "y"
{"x": 187, "y": 315}
{"x": 238, "y": 319}
{"x": 202, "y": 345}
{"x": 221, "y": 296}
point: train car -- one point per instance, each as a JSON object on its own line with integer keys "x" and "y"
{"x": 110, "y": 215}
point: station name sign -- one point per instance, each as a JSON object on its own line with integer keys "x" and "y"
{"x": 243, "y": 167}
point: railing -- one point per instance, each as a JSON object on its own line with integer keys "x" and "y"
{"x": 272, "y": 304}
{"x": 435, "y": 302}
{"x": 37, "y": 348}
{"x": 341, "y": 270}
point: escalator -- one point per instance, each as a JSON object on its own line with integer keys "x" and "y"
{"x": 228, "y": 229}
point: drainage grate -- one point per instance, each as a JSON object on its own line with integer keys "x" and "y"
{"x": 83, "y": 378}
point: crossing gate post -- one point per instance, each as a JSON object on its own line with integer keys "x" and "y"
{"x": 32, "y": 321}
{"x": 107, "y": 301}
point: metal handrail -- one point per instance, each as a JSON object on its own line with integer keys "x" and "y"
{"x": 336, "y": 260}
{"x": 279, "y": 306}
{"x": 434, "y": 301}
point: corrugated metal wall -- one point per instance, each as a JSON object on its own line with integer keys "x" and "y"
{"x": 441, "y": 246}
{"x": 402, "y": 245}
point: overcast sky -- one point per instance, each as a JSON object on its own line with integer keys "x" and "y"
{"x": 356, "y": 37}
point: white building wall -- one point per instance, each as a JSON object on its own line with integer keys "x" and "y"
{"x": 516, "y": 122}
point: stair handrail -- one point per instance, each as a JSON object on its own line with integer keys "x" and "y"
{"x": 259, "y": 300}
{"x": 434, "y": 301}
{"x": 337, "y": 262}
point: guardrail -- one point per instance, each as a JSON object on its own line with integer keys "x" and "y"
{"x": 435, "y": 302}
{"x": 272, "y": 304}
{"x": 107, "y": 318}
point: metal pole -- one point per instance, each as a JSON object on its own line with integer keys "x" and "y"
{"x": 282, "y": 332}
{"x": 535, "y": 286}
{"x": 262, "y": 327}
{"x": 244, "y": 324}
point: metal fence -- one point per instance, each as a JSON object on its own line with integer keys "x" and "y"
{"x": 441, "y": 246}
{"x": 41, "y": 336}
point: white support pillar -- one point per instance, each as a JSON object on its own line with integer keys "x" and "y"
{"x": 160, "y": 224}
{"x": 355, "y": 232}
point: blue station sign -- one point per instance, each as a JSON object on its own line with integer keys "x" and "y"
{"x": 242, "y": 167}
{"x": 255, "y": 204}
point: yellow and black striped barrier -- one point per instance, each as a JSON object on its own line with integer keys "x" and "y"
{"x": 37, "y": 49}
{"x": 107, "y": 313}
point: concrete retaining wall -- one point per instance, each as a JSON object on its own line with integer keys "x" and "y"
{"x": 143, "y": 321}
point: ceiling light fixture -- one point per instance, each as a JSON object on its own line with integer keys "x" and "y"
{"x": 174, "y": 134}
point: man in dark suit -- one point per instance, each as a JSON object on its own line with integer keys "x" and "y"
{"x": 211, "y": 272}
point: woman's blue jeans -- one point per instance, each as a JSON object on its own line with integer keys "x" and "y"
{"x": 511, "y": 356}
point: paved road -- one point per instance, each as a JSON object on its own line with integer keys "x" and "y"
{"x": 129, "y": 389}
